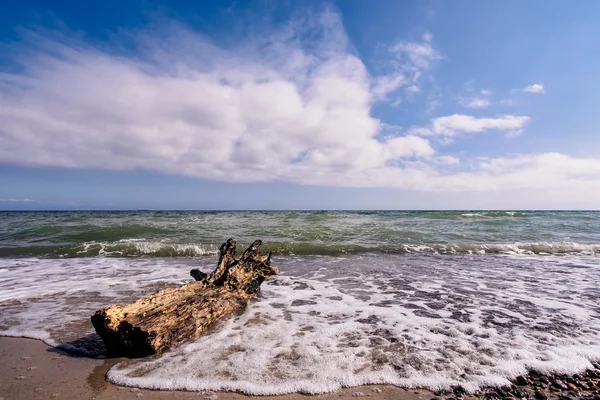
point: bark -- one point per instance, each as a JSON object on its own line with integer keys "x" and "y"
{"x": 154, "y": 323}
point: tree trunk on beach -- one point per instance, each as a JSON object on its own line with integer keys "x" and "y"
{"x": 155, "y": 322}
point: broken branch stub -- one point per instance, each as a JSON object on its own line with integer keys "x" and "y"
{"x": 154, "y": 323}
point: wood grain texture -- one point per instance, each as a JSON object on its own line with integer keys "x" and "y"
{"x": 154, "y": 323}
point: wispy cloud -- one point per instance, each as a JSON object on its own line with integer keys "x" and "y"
{"x": 416, "y": 55}
{"x": 458, "y": 123}
{"x": 13, "y": 200}
{"x": 385, "y": 84}
{"x": 412, "y": 90}
{"x": 478, "y": 103}
{"x": 411, "y": 59}
{"x": 293, "y": 106}
{"x": 514, "y": 133}
{"x": 470, "y": 99}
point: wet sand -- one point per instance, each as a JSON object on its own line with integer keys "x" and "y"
{"x": 29, "y": 369}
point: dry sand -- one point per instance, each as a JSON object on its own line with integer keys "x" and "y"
{"x": 29, "y": 369}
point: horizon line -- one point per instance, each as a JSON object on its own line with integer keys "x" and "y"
{"x": 296, "y": 209}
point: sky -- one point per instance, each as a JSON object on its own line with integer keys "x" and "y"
{"x": 299, "y": 105}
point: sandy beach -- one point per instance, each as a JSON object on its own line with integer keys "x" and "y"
{"x": 32, "y": 370}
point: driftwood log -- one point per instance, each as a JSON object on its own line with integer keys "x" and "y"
{"x": 153, "y": 323}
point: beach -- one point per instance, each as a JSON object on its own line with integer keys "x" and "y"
{"x": 32, "y": 370}
{"x": 453, "y": 303}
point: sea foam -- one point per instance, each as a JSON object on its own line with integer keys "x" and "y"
{"x": 430, "y": 321}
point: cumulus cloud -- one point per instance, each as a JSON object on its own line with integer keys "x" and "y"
{"x": 535, "y": 88}
{"x": 288, "y": 107}
{"x": 449, "y": 160}
{"x": 293, "y": 106}
{"x": 408, "y": 146}
{"x": 535, "y": 170}
{"x": 545, "y": 172}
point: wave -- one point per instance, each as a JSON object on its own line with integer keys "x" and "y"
{"x": 149, "y": 248}
{"x": 496, "y": 214}
{"x": 329, "y": 322}
{"x": 113, "y": 233}
{"x": 121, "y": 248}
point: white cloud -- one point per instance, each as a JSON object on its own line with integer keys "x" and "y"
{"x": 559, "y": 174}
{"x": 397, "y": 102}
{"x": 279, "y": 108}
{"x": 419, "y": 130}
{"x": 478, "y": 103}
{"x": 408, "y": 146}
{"x": 448, "y": 160}
{"x": 465, "y": 123}
{"x": 535, "y": 88}
{"x": 411, "y": 60}
{"x": 457, "y": 123}
{"x": 416, "y": 55}
{"x": 382, "y": 85}
{"x": 413, "y": 89}
{"x": 514, "y": 133}
{"x": 273, "y": 109}
{"x": 539, "y": 171}
{"x": 485, "y": 92}
{"x": 433, "y": 103}
{"x": 13, "y": 200}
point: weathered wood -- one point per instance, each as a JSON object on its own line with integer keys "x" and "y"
{"x": 155, "y": 322}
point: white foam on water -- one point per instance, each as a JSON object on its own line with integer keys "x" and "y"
{"x": 32, "y": 334}
{"x": 472, "y": 215}
{"x": 492, "y": 214}
{"x": 53, "y": 299}
{"x": 166, "y": 248}
{"x": 467, "y": 323}
{"x": 408, "y": 320}
{"x": 140, "y": 246}
{"x": 517, "y": 248}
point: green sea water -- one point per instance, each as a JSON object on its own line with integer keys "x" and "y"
{"x": 433, "y": 299}
{"x": 199, "y": 233}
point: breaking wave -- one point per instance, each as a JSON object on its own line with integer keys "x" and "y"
{"x": 148, "y": 248}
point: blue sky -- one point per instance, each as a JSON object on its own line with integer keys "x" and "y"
{"x": 299, "y": 105}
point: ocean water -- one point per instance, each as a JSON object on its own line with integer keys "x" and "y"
{"x": 415, "y": 299}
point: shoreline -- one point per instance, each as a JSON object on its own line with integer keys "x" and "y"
{"x": 30, "y": 369}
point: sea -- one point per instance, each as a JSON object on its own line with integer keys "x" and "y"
{"x": 430, "y": 299}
